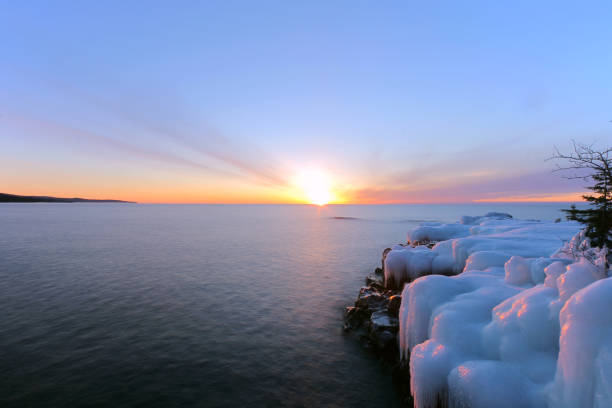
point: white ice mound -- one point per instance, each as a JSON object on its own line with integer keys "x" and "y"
{"x": 496, "y": 237}
{"x": 584, "y": 368}
{"x": 522, "y": 325}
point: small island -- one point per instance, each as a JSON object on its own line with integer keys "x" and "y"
{"x": 12, "y": 198}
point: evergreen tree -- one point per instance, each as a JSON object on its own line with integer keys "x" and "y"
{"x": 594, "y": 166}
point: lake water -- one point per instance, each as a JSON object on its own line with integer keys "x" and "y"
{"x": 129, "y": 305}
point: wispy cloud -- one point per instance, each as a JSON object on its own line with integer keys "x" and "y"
{"x": 529, "y": 185}
{"x": 243, "y": 158}
{"x": 94, "y": 141}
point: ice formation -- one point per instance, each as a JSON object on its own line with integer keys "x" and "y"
{"x": 478, "y": 242}
{"x": 505, "y": 318}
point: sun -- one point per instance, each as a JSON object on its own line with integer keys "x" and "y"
{"x": 315, "y": 187}
{"x": 318, "y": 195}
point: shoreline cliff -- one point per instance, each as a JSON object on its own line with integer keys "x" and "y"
{"x": 489, "y": 311}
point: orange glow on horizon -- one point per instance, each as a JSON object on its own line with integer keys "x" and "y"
{"x": 308, "y": 187}
{"x": 550, "y": 198}
{"x": 316, "y": 196}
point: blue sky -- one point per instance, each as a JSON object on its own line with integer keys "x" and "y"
{"x": 227, "y": 101}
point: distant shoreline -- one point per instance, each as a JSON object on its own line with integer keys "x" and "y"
{"x": 12, "y": 198}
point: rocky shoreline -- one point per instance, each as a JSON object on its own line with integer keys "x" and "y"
{"x": 374, "y": 319}
{"x": 499, "y": 312}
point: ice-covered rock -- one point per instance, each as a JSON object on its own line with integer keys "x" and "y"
{"x": 521, "y": 324}
{"x": 406, "y": 264}
{"x": 486, "y": 244}
{"x": 584, "y": 368}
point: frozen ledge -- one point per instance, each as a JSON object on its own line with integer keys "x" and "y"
{"x": 503, "y": 312}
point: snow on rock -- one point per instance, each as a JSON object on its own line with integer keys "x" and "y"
{"x": 521, "y": 324}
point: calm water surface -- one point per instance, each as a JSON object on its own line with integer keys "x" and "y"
{"x": 188, "y": 305}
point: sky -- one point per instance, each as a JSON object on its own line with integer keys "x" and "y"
{"x": 300, "y": 101}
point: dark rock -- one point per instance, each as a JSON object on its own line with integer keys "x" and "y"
{"x": 367, "y": 343}
{"x": 373, "y": 280}
{"x": 390, "y": 292}
{"x": 374, "y": 321}
{"x": 382, "y": 321}
{"x": 354, "y": 318}
{"x": 498, "y": 215}
{"x": 371, "y": 300}
{"x": 376, "y": 285}
{"x": 383, "y": 334}
{"x": 372, "y": 303}
{"x": 429, "y": 244}
{"x": 385, "y": 340}
{"x": 379, "y": 287}
{"x": 401, "y": 379}
{"x": 394, "y": 304}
